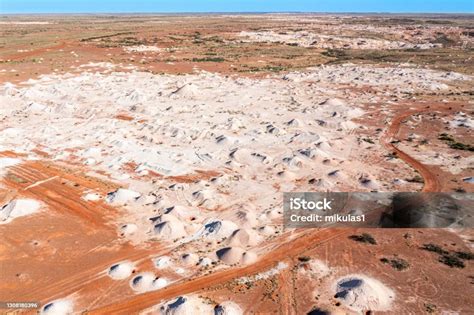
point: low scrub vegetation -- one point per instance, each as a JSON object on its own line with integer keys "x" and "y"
{"x": 396, "y": 263}
{"x": 451, "y": 259}
{"x": 453, "y": 144}
{"x": 364, "y": 238}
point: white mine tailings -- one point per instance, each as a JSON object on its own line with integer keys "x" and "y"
{"x": 359, "y": 293}
{"x": 58, "y": 307}
{"x": 18, "y": 208}
{"x": 121, "y": 270}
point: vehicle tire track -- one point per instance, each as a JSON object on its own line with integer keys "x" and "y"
{"x": 288, "y": 249}
{"x": 431, "y": 182}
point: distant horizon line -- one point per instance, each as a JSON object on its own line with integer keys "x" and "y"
{"x": 237, "y": 12}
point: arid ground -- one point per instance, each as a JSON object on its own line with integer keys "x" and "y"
{"x": 143, "y": 160}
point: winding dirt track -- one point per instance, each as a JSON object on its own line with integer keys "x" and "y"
{"x": 307, "y": 239}
{"x": 431, "y": 182}
{"x": 290, "y": 247}
{"x": 57, "y": 189}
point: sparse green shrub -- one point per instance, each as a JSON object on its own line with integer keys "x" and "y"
{"x": 416, "y": 179}
{"x": 434, "y": 248}
{"x": 451, "y": 261}
{"x": 364, "y": 238}
{"x": 453, "y": 144}
{"x": 396, "y": 263}
{"x": 304, "y": 258}
{"x": 465, "y": 255}
{"x": 209, "y": 59}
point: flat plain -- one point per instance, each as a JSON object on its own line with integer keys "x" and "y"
{"x": 143, "y": 160}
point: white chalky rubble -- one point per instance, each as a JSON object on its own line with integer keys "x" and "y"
{"x": 221, "y": 146}
{"x": 193, "y": 304}
{"x": 6, "y": 162}
{"x": 266, "y": 274}
{"x": 58, "y": 307}
{"x": 360, "y": 293}
{"x": 147, "y": 281}
{"x": 142, "y": 48}
{"x": 18, "y": 208}
{"x": 121, "y": 270}
{"x": 228, "y": 308}
{"x": 162, "y": 262}
{"x": 91, "y": 197}
{"x": 122, "y": 196}
{"x": 308, "y": 39}
{"x": 186, "y": 305}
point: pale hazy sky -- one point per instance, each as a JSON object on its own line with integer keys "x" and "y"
{"x": 115, "y": 6}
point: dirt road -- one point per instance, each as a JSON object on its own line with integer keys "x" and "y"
{"x": 431, "y": 182}
{"x": 291, "y": 248}
{"x": 55, "y": 192}
{"x": 79, "y": 230}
